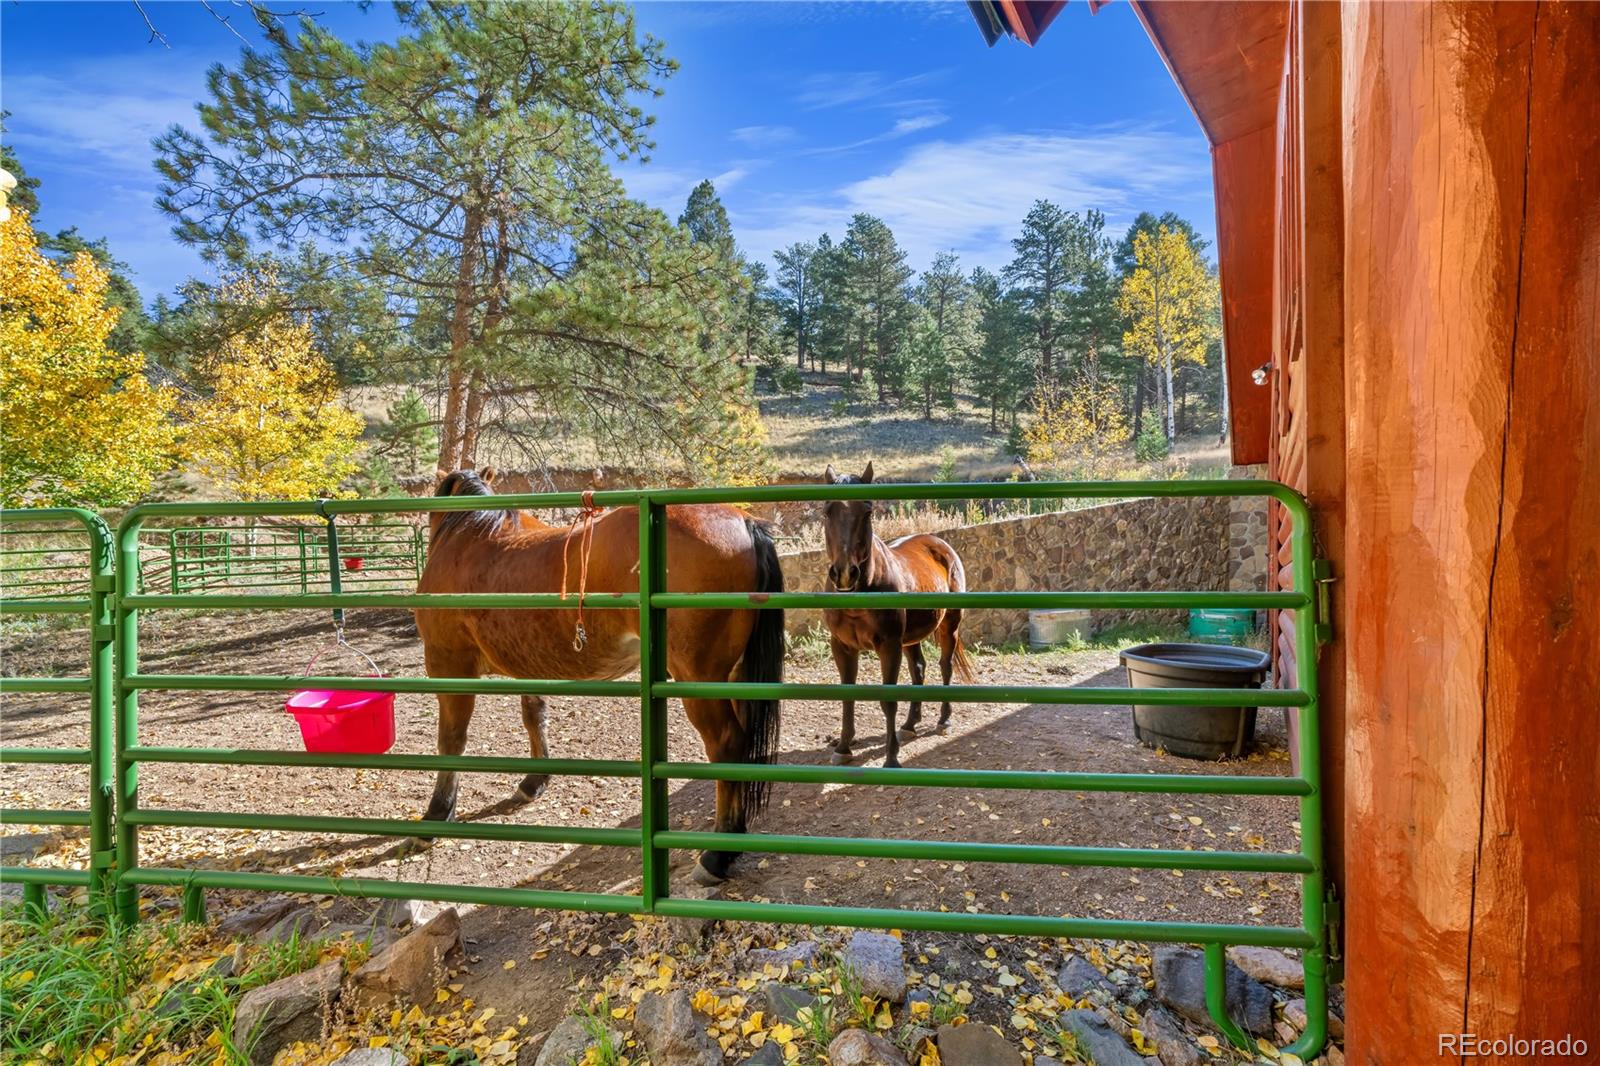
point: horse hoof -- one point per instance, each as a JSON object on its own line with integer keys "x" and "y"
{"x": 839, "y": 758}
{"x": 705, "y": 877}
{"x": 942, "y": 731}
{"x": 907, "y": 734}
{"x": 891, "y": 764}
{"x": 530, "y": 789}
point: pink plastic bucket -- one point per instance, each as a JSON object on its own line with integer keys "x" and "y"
{"x": 355, "y": 723}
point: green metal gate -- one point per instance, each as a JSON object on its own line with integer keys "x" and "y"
{"x": 654, "y": 771}
{"x": 72, "y": 578}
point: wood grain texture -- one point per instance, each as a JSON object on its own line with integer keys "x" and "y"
{"x": 1225, "y": 55}
{"x": 1242, "y": 171}
{"x": 1472, "y": 252}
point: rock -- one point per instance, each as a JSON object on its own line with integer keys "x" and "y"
{"x": 879, "y": 962}
{"x": 1115, "y": 1022}
{"x": 922, "y": 995}
{"x": 785, "y": 1001}
{"x": 373, "y": 1056}
{"x": 376, "y": 937}
{"x": 569, "y": 1042}
{"x": 1099, "y": 1044}
{"x": 409, "y": 970}
{"x": 1294, "y": 1012}
{"x": 975, "y": 1045}
{"x": 1173, "y": 1046}
{"x": 671, "y": 1033}
{"x": 804, "y": 953}
{"x": 694, "y": 931}
{"x": 396, "y": 913}
{"x": 768, "y": 1055}
{"x": 256, "y": 917}
{"x": 1078, "y": 977}
{"x": 1046, "y": 1060}
{"x": 1181, "y": 984}
{"x": 857, "y": 1047}
{"x": 17, "y": 848}
{"x": 1269, "y": 965}
{"x": 296, "y": 924}
{"x": 294, "y": 1008}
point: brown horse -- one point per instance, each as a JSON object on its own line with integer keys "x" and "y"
{"x": 709, "y": 549}
{"x": 859, "y": 561}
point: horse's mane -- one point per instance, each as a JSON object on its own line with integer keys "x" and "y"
{"x": 468, "y": 483}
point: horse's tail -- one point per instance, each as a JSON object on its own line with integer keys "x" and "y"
{"x": 960, "y": 660}
{"x": 763, "y": 662}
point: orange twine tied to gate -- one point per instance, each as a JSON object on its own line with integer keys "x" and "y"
{"x": 580, "y": 635}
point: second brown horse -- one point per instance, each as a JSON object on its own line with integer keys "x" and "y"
{"x": 859, "y": 561}
{"x": 498, "y": 550}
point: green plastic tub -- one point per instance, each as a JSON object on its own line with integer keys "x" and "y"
{"x": 1221, "y": 622}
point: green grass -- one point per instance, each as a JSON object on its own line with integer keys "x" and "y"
{"x": 595, "y": 1017}
{"x": 69, "y": 984}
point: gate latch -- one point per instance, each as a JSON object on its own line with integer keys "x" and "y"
{"x": 1322, "y": 575}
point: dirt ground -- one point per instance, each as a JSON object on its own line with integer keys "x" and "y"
{"x": 1030, "y": 737}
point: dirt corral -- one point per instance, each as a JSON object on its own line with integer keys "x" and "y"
{"x": 1030, "y": 737}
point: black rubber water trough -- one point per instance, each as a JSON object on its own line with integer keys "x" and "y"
{"x": 1196, "y": 732}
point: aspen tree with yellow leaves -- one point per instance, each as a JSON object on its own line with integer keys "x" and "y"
{"x": 270, "y": 425}
{"x": 1169, "y": 299}
{"x": 80, "y": 424}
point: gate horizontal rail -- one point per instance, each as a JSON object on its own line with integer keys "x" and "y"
{"x": 655, "y": 771}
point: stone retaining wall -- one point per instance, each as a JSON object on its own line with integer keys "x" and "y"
{"x": 1140, "y": 545}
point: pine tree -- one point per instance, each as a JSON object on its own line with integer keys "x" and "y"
{"x": 830, "y": 274}
{"x": 1052, "y": 254}
{"x": 999, "y": 367}
{"x": 798, "y": 296}
{"x": 410, "y": 429}
{"x": 463, "y": 173}
{"x": 706, "y": 220}
{"x": 879, "y": 299}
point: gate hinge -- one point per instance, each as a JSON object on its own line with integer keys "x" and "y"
{"x": 1322, "y": 575}
{"x": 103, "y": 860}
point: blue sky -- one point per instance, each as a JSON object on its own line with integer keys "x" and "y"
{"x": 801, "y": 113}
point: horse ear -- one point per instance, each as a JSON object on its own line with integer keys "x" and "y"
{"x": 488, "y": 474}
{"x": 833, "y": 479}
{"x": 866, "y": 475}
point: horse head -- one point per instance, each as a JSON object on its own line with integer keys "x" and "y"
{"x": 847, "y": 532}
{"x": 466, "y": 482}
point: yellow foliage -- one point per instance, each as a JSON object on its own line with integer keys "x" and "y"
{"x": 79, "y": 423}
{"x": 1169, "y": 299}
{"x": 1077, "y": 430}
{"x": 271, "y": 426}
{"x": 737, "y": 453}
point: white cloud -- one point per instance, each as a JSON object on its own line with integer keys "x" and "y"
{"x": 903, "y": 127}
{"x": 98, "y": 117}
{"x": 868, "y": 87}
{"x": 765, "y": 136}
{"x": 729, "y": 178}
{"x": 970, "y": 196}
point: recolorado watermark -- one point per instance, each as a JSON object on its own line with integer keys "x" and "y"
{"x": 1471, "y": 1045}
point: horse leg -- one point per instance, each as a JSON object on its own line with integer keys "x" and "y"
{"x": 919, "y": 669}
{"x": 455, "y": 714}
{"x": 533, "y": 721}
{"x": 889, "y": 654}
{"x": 949, "y": 636}
{"x": 724, "y": 740}
{"x": 847, "y": 660}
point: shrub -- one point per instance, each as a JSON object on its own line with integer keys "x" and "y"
{"x": 1152, "y": 445}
